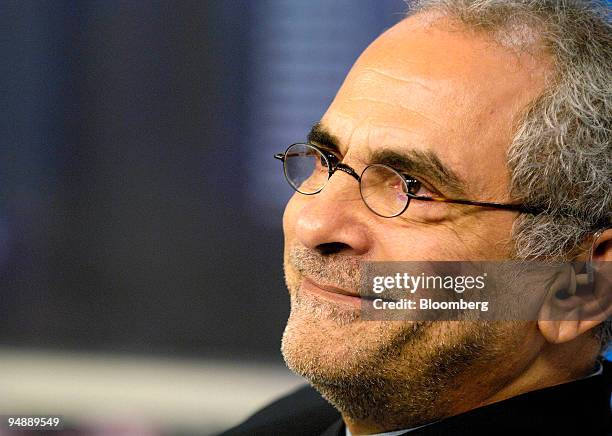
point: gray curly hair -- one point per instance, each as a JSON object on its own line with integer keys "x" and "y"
{"x": 561, "y": 156}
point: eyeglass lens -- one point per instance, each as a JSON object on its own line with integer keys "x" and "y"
{"x": 383, "y": 190}
{"x": 306, "y": 168}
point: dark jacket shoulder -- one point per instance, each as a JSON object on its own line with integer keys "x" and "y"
{"x": 301, "y": 413}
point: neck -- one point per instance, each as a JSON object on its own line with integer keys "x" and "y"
{"x": 556, "y": 364}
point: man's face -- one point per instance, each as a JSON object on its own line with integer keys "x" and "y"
{"x": 426, "y": 91}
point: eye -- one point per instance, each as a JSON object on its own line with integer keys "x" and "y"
{"x": 416, "y": 187}
{"x": 413, "y": 186}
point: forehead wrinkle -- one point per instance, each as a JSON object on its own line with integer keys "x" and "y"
{"x": 397, "y": 78}
{"x": 410, "y": 95}
{"x": 363, "y": 125}
{"x": 396, "y": 105}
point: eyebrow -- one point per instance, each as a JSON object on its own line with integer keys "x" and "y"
{"x": 323, "y": 137}
{"x": 424, "y": 163}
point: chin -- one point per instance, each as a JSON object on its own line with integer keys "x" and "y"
{"x": 329, "y": 343}
{"x": 358, "y": 367}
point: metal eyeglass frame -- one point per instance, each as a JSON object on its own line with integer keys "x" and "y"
{"x": 334, "y": 164}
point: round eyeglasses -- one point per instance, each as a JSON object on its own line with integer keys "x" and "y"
{"x": 384, "y": 190}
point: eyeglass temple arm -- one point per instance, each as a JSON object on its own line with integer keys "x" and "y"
{"x": 517, "y": 207}
{"x": 280, "y": 156}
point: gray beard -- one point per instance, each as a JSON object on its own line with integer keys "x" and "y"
{"x": 390, "y": 376}
{"x": 400, "y": 385}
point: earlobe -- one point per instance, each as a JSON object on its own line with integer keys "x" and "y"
{"x": 558, "y": 332}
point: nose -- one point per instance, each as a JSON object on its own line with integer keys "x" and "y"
{"x": 334, "y": 220}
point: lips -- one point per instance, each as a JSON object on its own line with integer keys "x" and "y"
{"x": 331, "y": 293}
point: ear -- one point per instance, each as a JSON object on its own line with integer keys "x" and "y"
{"x": 601, "y": 250}
{"x": 579, "y": 300}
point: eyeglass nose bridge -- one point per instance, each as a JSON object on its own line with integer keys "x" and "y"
{"x": 346, "y": 169}
{"x": 340, "y": 166}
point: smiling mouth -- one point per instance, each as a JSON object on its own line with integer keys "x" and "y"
{"x": 330, "y": 293}
{"x": 333, "y": 293}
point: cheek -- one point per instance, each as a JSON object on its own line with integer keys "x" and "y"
{"x": 292, "y": 277}
{"x": 416, "y": 241}
{"x": 289, "y": 218}
{"x": 414, "y": 244}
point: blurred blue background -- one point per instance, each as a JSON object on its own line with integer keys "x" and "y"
{"x": 140, "y": 207}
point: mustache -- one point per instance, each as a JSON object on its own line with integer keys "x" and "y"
{"x": 337, "y": 270}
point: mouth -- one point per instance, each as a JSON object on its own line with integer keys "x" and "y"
{"x": 331, "y": 293}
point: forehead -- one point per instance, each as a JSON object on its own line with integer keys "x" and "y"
{"x": 430, "y": 83}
